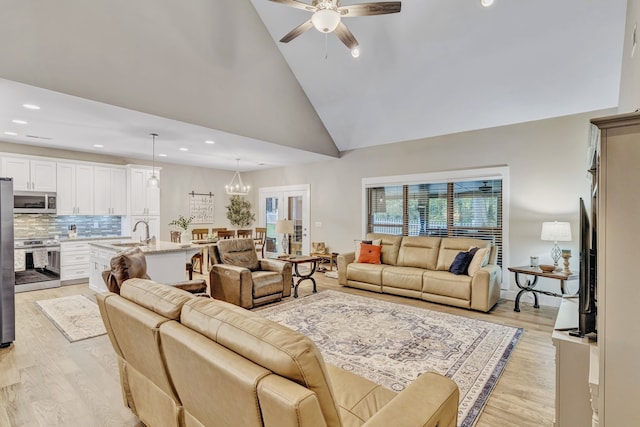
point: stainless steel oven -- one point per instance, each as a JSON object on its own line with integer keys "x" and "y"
{"x": 36, "y": 264}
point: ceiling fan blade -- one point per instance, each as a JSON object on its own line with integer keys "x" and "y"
{"x": 296, "y": 4}
{"x": 305, "y": 26}
{"x": 346, "y": 36}
{"x": 366, "y": 9}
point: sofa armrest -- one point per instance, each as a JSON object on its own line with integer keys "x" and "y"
{"x": 430, "y": 401}
{"x": 485, "y": 287}
{"x": 195, "y": 286}
{"x": 282, "y": 267}
{"x": 344, "y": 260}
{"x": 231, "y": 284}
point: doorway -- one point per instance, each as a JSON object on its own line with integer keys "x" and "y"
{"x": 287, "y": 202}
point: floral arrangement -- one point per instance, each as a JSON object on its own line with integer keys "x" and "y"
{"x": 182, "y": 222}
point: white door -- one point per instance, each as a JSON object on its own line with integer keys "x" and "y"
{"x": 290, "y": 202}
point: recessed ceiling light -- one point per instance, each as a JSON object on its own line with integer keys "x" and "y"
{"x": 31, "y": 106}
{"x": 486, "y": 3}
{"x": 162, "y": 155}
{"x": 11, "y": 133}
{"x": 98, "y": 145}
{"x": 19, "y": 122}
{"x": 184, "y": 149}
{"x": 208, "y": 141}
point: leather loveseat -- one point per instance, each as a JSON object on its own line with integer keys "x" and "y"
{"x": 188, "y": 361}
{"x": 418, "y": 267}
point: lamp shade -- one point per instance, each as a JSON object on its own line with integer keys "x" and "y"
{"x": 284, "y": 226}
{"x": 556, "y": 231}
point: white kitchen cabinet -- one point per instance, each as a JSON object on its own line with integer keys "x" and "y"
{"x": 110, "y": 191}
{"x": 30, "y": 174}
{"x": 100, "y": 260}
{"x": 144, "y": 200}
{"x": 74, "y": 260}
{"x": 75, "y": 189}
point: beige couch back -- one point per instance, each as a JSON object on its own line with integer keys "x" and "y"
{"x": 451, "y": 246}
{"x": 419, "y": 251}
{"x": 132, "y": 323}
{"x": 198, "y": 361}
{"x": 390, "y": 246}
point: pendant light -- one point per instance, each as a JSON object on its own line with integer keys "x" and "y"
{"x": 154, "y": 182}
{"x": 236, "y": 187}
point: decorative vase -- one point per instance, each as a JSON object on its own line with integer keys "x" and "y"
{"x": 185, "y": 237}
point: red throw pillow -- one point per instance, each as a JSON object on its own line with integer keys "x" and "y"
{"x": 369, "y": 254}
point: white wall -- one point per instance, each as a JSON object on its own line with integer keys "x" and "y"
{"x": 547, "y": 161}
{"x": 630, "y": 78}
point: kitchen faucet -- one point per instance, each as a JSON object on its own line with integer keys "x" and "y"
{"x": 147, "y": 238}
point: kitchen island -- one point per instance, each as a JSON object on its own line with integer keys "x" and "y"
{"x": 165, "y": 260}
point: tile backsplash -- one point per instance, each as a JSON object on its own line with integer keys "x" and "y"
{"x": 47, "y": 225}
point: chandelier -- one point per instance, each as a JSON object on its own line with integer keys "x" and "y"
{"x": 236, "y": 187}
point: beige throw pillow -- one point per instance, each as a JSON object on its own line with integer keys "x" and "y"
{"x": 480, "y": 259}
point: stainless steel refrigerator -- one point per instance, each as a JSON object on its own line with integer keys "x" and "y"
{"x": 7, "y": 274}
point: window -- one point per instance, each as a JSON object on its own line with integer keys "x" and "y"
{"x": 470, "y": 208}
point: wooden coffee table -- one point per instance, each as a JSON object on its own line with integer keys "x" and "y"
{"x": 296, "y": 261}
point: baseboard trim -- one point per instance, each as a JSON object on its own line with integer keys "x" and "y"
{"x": 547, "y": 300}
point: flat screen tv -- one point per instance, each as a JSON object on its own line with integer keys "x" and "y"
{"x": 587, "y": 298}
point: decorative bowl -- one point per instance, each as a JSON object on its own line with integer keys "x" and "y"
{"x": 547, "y": 268}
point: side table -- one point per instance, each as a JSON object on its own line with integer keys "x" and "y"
{"x": 529, "y": 285}
{"x": 296, "y": 261}
{"x": 329, "y": 257}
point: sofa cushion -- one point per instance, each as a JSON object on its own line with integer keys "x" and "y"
{"x": 164, "y": 300}
{"x": 403, "y": 277}
{"x": 479, "y": 260}
{"x": 419, "y": 251}
{"x": 367, "y": 273}
{"x": 369, "y": 254}
{"x": 390, "y": 246}
{"x": 277, "y": 348}
{"x": 450, "y": 246}
{"x": 126, "y": 265}
{"x": 447, "y": 284}
{"x": 238, "y": 252}
{"x": 266, "y": 283}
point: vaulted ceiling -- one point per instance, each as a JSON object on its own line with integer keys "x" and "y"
{"x": 109, "y": 72}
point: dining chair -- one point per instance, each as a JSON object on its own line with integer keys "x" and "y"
{"x": 175, "y": 238}
{"x": 198, "y": 259}
{"x": 215, "y": 231}
{"x": 245, "y": 234}
{"x": 226, "y": 234}
{"x": 259, "y": 239}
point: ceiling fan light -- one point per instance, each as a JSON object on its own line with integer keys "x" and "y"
{"x": 325, "y": 20}
{"x": 355, "y": 52}
{"x": 486, "y": 3}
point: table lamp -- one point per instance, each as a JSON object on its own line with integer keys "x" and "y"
{"x": 556, "y": 232}
{"x": 284, "y": 227}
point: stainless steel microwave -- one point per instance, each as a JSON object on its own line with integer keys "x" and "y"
{"x": 34, "y": 202}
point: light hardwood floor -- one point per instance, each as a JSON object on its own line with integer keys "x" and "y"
{"x": 47, "y": 381}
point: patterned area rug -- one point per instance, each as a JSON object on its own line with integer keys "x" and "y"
{"x": 391, "y": 344}
{"x": 76, "y": 316}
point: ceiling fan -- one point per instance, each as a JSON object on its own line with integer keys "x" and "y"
{"x": 327, "y": 17}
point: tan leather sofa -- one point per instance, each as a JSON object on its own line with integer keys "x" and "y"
{"x": 417, "y": 267}
{"x": 189, "y": 361}
{"x": 239, "y": 277}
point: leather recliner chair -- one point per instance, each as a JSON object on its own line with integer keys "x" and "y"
{"x": 131, "y": 264}
{"x": 239, "y": 277}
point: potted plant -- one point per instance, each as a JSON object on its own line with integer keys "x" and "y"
{"x": 239, "y": 212}
{"x": 183, "y": 223}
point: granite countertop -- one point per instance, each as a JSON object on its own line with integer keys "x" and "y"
{"x": 158, "y": 247}
{"x": 85, "y": 238}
